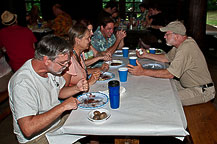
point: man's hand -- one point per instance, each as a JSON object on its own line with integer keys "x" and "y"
{"x": 136, "y": 70}
{"x": 71, "y": 103}
{"x": 143, "y": 55}
{"x": 120, "y": 35}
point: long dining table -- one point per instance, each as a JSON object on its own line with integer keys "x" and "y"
{"x": 148, "y": 107}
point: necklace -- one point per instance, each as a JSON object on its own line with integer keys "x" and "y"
{"x": 85, "y": 67}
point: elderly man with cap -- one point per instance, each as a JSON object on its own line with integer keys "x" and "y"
{"x": 187, "y": 67}
{"x": 18, "y": 41}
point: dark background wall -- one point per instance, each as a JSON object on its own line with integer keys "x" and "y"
{"x": 87, "y": 9}
{"x": 15, "y": 6}
{"x": 192, "y": 12}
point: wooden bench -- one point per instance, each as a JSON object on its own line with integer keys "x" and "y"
{"x": 202, "y": 123}
{"x": 6, "y": 111}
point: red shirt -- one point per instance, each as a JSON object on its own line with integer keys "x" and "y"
{"x": 18, "y": 42}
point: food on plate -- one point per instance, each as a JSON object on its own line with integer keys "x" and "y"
{"x": 104, "y": 77}
{"x": 96, "y": 112}
{"x": 92, "y": 100}
{"x": 115, "y": 64}
{"x": 99, "y": 115}
{"x": 96, "y": 117}
{"x": 118, "y": 53}
{"x": 158, "y": 51}
{"x": 102, "y": 115}
{"x": 88, "y": 101}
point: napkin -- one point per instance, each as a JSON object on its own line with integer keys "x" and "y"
{"x": 122, "y": 91}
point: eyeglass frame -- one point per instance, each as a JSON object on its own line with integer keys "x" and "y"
{"x": 63, "y": 65}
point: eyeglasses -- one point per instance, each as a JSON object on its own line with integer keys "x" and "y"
{"x": 63, "y": 65}
{"x": 167, "y": 34}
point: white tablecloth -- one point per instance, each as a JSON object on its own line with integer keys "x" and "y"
{"x": 149, "y": 107}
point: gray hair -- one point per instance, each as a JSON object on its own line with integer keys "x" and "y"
{"x": 77, "y": 31}
{"x": 51, "y": 46}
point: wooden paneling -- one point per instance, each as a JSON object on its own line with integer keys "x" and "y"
{"x": 196, "y": 21}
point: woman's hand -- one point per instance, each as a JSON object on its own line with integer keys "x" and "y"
{"x": 83, "y": 85}
{"x": 94, "y": 77}
{"x": 104, "y": 67}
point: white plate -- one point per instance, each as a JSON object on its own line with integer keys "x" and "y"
{"x": 118, "y": 53}
{"x": 115, "y": 61}
{"x": 91, "y": 115}
{"x": 132, "y": 52}
{"x": 98, "y": 100}
{"x": 109, "y": 74}
{"x": 153, "y": 66}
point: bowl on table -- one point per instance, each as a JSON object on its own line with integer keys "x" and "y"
{"x": 98, "y": 116}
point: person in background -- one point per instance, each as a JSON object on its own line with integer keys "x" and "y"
{"x": 18, "y": 41}
{"x": 116, "y": 18}
{"x": 91, "y": 55}
{"x": 35, "y": 88}
{"x": 104, "y": 40}
{"x": 155, "y": 19}
{"x": 62, "y": 23}
{"x": 187, "y": 67}
{"x": 144, "y": 11}
{"x": 109, "y": 9}
{"x": 79, "y": 37}
{"x": 33, "y": 17}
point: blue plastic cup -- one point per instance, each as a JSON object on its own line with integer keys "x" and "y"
{"x": 39, "y": 25}
{"x": 114, "y": 93}
{"x": 152, "y": 50}
{"x": 132, "y": 60}
{"x": 125, "y": 51}
{"x": 123, "y": 74}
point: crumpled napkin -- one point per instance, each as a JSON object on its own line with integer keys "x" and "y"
{"x": 122, "y": 91}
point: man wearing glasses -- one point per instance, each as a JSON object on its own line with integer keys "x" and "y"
{"x": 35, "y": 89}
{"x": 187, "y": 66}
